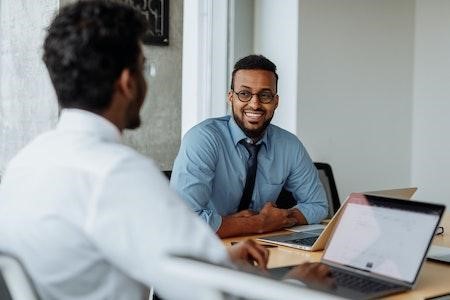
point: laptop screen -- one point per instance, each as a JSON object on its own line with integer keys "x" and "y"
{"x": 385, "y": 236}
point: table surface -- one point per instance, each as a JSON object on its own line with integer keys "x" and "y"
{"x": 434, "y": 278}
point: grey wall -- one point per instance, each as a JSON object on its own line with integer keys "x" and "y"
{"x": 160, "y": 133}
{"x": 431, "y": 110}
{"x": 27, "y": 102}
{"x": 356, "y": 83}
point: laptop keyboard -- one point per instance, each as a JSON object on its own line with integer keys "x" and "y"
{"x": 309, "y": 241}
{"x": 359, "y": 283}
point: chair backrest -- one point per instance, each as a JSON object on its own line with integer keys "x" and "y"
{"x": 168, "y": 173}
{"x": 211, "y": 281}
{"x": 327, "y": 179}
{"x": 14, "y": 281}
{"x": 286, "y": 199}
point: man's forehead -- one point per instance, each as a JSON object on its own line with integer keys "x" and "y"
{"x": 255, "y": 76}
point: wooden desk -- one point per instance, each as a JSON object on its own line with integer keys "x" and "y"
{"x": 434, "y": 278}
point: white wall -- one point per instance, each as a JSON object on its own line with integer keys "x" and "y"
{"x": 431, "y": 140}
{"x": 276, "y": 30}
{"x": 355, "y": 106}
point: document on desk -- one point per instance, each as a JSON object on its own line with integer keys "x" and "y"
{"x": 439, "y": 253}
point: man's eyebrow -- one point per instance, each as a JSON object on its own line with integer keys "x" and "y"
{"x": 263, "y": 89}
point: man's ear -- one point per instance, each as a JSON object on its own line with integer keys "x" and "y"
{"x": 276, "y": 100}
{"x": 230, "y": 96}
{"x": 125, "y": 84}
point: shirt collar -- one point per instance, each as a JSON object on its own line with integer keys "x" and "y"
{"x": 84, "y": 121}
{"x": 237, "y": 134}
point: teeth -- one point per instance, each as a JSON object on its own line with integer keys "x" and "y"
{"x": 253, "y": 114}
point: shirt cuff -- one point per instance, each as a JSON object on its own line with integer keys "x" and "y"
{"x": 312, "y": 215}
{"x": 213, "y": 219}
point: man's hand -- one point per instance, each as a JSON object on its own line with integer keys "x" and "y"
{"x": 270, "y": 218}
{"x": 249, "y": 252}
{"x": 273, "y": 218}
{"x": 312, "y": 274}
{"x": 244, "y": 213}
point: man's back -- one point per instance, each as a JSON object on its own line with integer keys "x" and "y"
{"x": 64, "y": 213}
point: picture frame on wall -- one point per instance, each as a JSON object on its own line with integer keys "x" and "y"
{"x": 156, "y": 12}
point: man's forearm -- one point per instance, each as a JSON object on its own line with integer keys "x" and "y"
{"x": 234, "y": 226}
{"x": 269, "y": 219}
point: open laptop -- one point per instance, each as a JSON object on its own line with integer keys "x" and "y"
{"x": 379, "y": 245}
{"x": 314, "y": 237}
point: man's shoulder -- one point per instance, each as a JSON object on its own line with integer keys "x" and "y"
{"x": 211, "y": 128}
{"x": 277, "y": 133}
{"x": 213, "y": 123}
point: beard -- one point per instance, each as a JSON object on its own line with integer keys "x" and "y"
{"x": 134, "y": 118}
{"x": 254, "y": 134}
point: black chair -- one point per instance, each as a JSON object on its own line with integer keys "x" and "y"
{"x": 286, "y": 199}
{"x": 327, "y": 179}
{"x": 168, "y": 173}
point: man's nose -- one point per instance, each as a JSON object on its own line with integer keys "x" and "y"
{"x": 254, "y": 101}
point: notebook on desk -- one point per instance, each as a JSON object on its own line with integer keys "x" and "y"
{"x": 314, "y": 237}
{"x": 439, "y": 254}
{"x": 367, "y": 250}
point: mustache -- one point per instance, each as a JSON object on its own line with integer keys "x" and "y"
{"x": 259, "y": 109}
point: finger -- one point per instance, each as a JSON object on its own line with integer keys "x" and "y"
{"x": 264, "y": 254}
{"x": 324, "y": 270}
{"x": 270, "y": 205}
{"x": 288, "y": 222}
{"x": 258, "y": 254}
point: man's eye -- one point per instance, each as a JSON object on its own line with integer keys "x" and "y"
{"x": 266, "y": 95}
{"x": 244, "y": 94}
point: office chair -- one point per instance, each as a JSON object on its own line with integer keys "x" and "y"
{"x": 209, "y": 281}
{"x": 327, "y": 179}
{"x": 14, "y": 281}
{"x": 286, "y": 199}
{"x": 168, "y": 173}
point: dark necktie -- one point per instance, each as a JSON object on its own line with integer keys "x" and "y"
{"x": 252, "y": 164}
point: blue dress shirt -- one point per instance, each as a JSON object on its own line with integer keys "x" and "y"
{"x": 209, "y": 172}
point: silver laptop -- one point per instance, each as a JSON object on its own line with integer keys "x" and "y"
{"x": 379, "y": 245}
{"x": 314, "y": 237}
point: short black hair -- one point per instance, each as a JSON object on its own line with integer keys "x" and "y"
{"x": 254, "y": 62}
{"x": 88, "y": 45}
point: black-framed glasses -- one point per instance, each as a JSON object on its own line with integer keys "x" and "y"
{"x": 263, "y": 96}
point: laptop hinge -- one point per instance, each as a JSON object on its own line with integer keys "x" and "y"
{"x": 368, "y": 274}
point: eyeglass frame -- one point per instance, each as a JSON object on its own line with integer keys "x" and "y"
{"x": 255, "y": 94}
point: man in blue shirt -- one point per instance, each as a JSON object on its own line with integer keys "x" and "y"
{"x": 212, "y": 171}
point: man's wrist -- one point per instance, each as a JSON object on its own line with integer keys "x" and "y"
{"x": 297, "y": 214}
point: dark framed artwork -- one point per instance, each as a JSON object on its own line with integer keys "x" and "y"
{"x": 157, "y": 14}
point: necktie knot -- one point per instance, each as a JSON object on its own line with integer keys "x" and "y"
{"x": 251, "y": 148}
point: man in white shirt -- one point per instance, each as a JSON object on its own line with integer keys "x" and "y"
{"x": 89, "y": 217}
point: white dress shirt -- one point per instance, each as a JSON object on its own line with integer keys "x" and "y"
{"x": 90, "y": 218}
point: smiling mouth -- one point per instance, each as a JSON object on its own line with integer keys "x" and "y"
{"x": 253, "y": 116}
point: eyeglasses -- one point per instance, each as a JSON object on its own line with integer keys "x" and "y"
{"x": 263, "y": 96}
